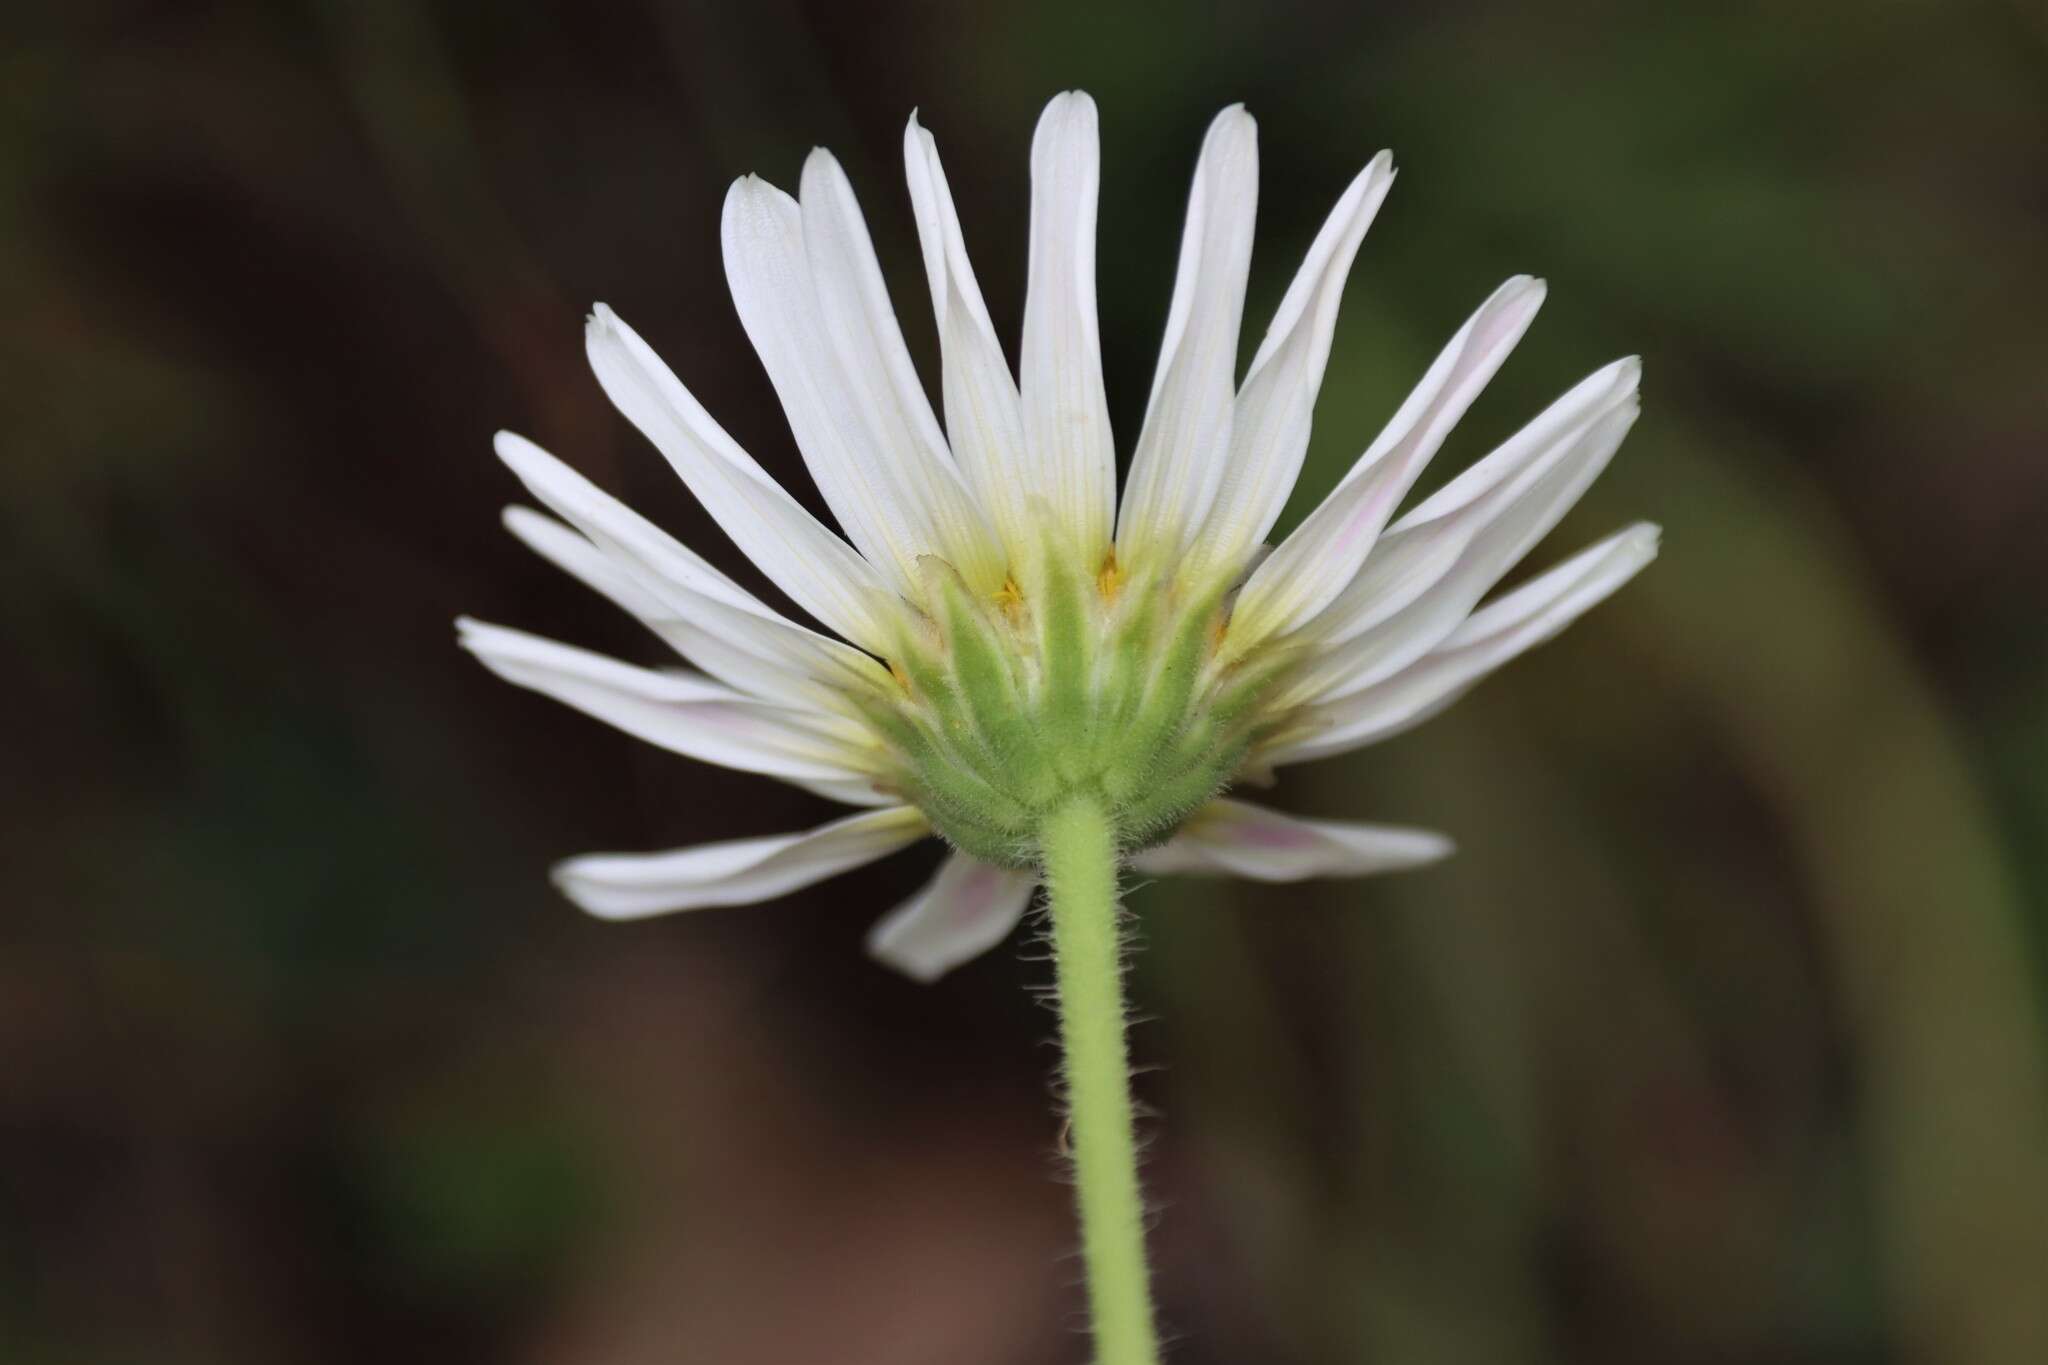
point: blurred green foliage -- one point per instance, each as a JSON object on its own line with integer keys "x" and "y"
{"x": 1720, "y": 1041}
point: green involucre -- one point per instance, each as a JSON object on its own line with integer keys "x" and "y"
{"x": 1007, "y": 709}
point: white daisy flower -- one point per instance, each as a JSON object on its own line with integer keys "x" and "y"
{"x": 997, "y": 632}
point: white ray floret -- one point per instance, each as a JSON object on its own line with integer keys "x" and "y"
{"x": 674, "y": 709}
{"x": 1066, "y": 412}
{"x": 1433, "y": 539}
{"x": 1182, "y": 452}
{"x": 1484, "y": 641}
{"x": 809, "y": 294}
{"x": 1312, "y": 566}
{"x": 701, "y": 600}
{"x": 1237, "y": 839}
{"x": 997, "y": 633}
{"x": 965, "y": 910}
{"x": 1271, "y": 417}
{"x": 984, "y": 415}
{"x": 736, "y": 871}
{"x": 820, "y": 572}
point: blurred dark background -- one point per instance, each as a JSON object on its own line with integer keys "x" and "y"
{"x": 1721, "y": 1041}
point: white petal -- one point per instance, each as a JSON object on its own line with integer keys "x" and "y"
{"x": 961, "y": 913}
{"x": 1232, "y": 838}
{"x": 869, "y": 482}
{"x": 1066, "y": 416}
{"x": 984, "y": 419}
{"x": 611, "y": 523}
{"x": 682, "y": 712}
{"x": 1425, "y": 544}
{"x": 1323, "y": 554}
{"x": 852, "y": 791}
{"x": 1537, "y": 610}
{"x": 1607, "y": 389}
{"x": 1180, "y": 455}
{"x": 737, "y": 871}
{"x": 717, "y": 638}
{"x": 1496, "y": 633}
{"x": 569, "y": 551}
{"x": 705, "y": 601}
{"x": 1530, "y": 512}
{"x": 880, "y": 380}
{"x": 1270, "y": 421}
{"x": 819, "y": 571}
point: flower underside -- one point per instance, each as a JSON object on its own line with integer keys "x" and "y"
{"x": 1007, "y": 706}
{"x": 999, "y": 629}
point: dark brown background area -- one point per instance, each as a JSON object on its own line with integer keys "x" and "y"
{"x": 1720, "y": 1041}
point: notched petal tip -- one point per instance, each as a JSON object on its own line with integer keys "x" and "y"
{"x": 1231, "y": 121}
{"x": 604, "y": 330}
{"x": 1527, "y": 290}
{"x": 1071, "y": 113}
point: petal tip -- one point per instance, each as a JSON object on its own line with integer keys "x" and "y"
{"x": 474, "y": 635}
{"x": 757, "y": 211}
{"x": 1232, "y": 118}
{"x": 1070, "y": 109}
{"x": 602, "y": 325}
{"x": 883, "y": 948}
{"x": 563, "y": 875}
{"x": 1434, "y": 848}
{"x": 512, "y": 448}
{"x": 742, "y": 194}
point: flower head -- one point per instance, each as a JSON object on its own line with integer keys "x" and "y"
{"x": 999, "y": 633}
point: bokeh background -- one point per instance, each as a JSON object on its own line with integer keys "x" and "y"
{"x": 1722, "y": 1040}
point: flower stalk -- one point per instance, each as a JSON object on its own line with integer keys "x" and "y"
{"x": 1079, "y": 849}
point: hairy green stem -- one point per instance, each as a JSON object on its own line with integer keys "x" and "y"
{"x": 1080, "y": 852}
